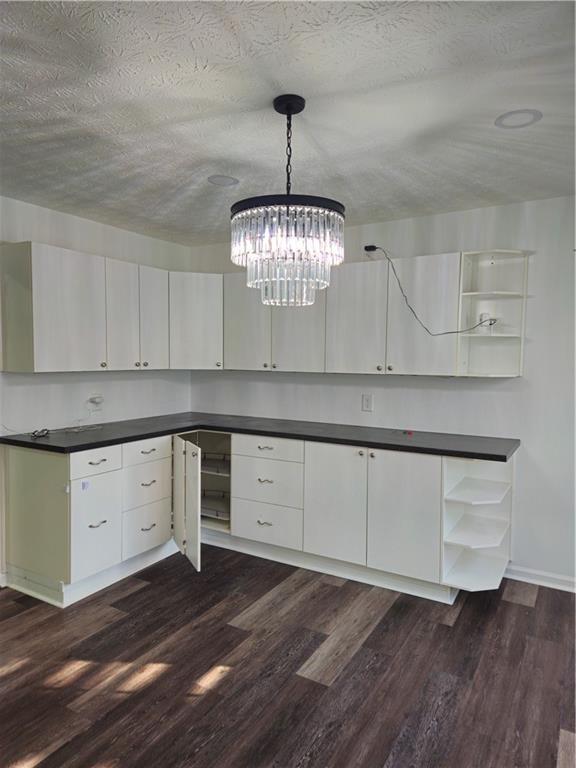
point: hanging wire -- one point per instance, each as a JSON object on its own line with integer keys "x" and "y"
{"x": 489, "y": 322}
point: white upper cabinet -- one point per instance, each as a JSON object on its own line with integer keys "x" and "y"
{"x": 404, "y": 513}
{"x": 196, "y": 320}
{"x": 247, "y": 326}
{"x": 335, "y": 495}
{"x": 122, "y": 315}
{"x": 356, "y": 318}
{"x": 432, "y": 285}
{"x": 154, "y": 318}
{"x": 298, "y": 337}
{"x": 53, "y": 309}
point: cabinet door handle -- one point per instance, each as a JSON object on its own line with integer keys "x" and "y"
{"x": 360, "y": 453}
{"x": 103, "y": 365}
{"x": 96, "y": 463}
{"x": 218, "y": 365}
{"x": 390, "y": 368}
{"x": 264, "y": 522}
{"x": 149, "y": 527}
{"x": 372, "y": 455}
{"x": 378, "y": 367}
{"x": 137, "y": 364}
{"x": 264, "y": 480}
{"x": 265, "y": 448}
{"x": 147, "y": 485}
{"x": 265, "y": 365}
{"x": 146, "y": 453}
{"x": 274, "y": 365}
{"x": 97, "y": 525}
{"x": 145, "y": 363}
{"x": 194, "y": 454}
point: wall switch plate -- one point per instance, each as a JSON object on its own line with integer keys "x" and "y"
{"x": 368, "y": 402}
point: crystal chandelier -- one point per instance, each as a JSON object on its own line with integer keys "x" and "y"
{"x": 288, "y": 243}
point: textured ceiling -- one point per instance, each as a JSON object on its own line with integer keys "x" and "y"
{"x": 120, "y": 111}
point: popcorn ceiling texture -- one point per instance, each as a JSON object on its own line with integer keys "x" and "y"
{"x": 119, "y": 112}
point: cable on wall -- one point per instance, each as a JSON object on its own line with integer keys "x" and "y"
{"x": 483, "y": 323}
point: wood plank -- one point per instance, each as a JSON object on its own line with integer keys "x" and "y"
{"x": 520, "y": 592}
{"x": 357, "y": 623}
{"x": 566, "y": 750}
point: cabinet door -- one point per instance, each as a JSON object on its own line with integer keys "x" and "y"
{"x": 299, "y": 336}
{"x": 186, "y": 499}
{"x": 335, "y": 495}
{"x": 69, "y": 305}
{"x": 154, "y": 319}
{"x": 247, "y": 326}
{"x": 404, "y": 514}
{"x": 356, "y": 318}
{"x": 432, "y": 286}
{"x": 122, "y": 315}
{"x": 95, "y": 524}
{"x": 196, "y": 320}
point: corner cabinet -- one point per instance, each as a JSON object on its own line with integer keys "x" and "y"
{"x": 53, "y": 309}
{"x": 196, "y": 321}
{"x": 247, "y": 326}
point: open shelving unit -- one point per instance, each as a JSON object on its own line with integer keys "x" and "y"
{"x": 476, "y": 522}
{"x": 493, "y": 284}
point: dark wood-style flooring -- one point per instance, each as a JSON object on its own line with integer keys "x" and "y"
{"x": 255, "y": 664}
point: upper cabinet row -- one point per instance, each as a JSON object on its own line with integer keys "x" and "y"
{"x": 64, "y": 310}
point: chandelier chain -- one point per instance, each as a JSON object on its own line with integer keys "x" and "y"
{"x": 288, "y": 153}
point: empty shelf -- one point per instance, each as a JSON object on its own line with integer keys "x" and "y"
{"x": 216, "y": 525}
{"x": 476, "y": 572}
{"x": 472, "y": 490}
{"x": 216, "y": 467}
{"x": 477, "y": 532}
{"x": 216, "y": 507}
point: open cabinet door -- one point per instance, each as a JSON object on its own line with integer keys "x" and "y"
{"x": 186, "y": 498}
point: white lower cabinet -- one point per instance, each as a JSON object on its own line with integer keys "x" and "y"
{"x": 268, "y": 523}
{"x": 335, "y": 496}
{"x": 267, "y": 480}
{"x": 145, "y": 483}
{"x": 404, "y": 513}
{"x": 95, "y": 524}
{"x": 146, "y": 527}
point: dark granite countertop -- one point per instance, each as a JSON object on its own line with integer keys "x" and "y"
{"x": 112, "y": 433}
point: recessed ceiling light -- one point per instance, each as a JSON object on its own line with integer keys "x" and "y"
{"x": 518, "y": 118}
{"x": 223, "y": 181}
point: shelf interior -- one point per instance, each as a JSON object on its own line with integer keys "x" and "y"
{"x": 216, "y": 465}
{"x": 477, "y": 532}
{"x": 476, "y": 491}
{"x": 475, "y": 571}
{"x": 216, "y": 525}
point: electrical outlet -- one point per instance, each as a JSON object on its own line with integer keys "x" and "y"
{"x": 368, "y": 402}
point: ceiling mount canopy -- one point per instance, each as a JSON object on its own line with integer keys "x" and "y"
{"x": 288, "y": 243}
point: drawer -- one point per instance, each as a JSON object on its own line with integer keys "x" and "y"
{"x": 96, "y": 461}
{"x": 273, "y": 482}
{"x": 268, "y": 523}
{"x": 268, "y": 447}
{"x": 95, "y": 524}
{"x": 146, "y": 450}
{"x": 145, "y": 483}
{"x": 146, "y": 527}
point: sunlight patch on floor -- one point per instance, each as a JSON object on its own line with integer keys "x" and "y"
{"x": 209, "y": 680}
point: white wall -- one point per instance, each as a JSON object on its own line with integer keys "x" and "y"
{"x": 28, "y": 401}
{"x": 538, "y": 408}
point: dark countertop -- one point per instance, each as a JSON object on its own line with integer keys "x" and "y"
{"x": 112, "y": 433}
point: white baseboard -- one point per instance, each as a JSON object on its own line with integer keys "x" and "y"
{"x": 541, "y": 578}
{"x": 3, "y": 579}
{"x": 437, "y": 592}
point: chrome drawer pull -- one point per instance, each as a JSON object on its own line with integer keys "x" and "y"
{"x": 95, "y": 463}
{"x": 265, "y": 448}
{"x": 146, "y": 453}
{"x": 147, "y": 485}
{"x": 264, "y": 480}
{"x": 97, "y": 525}
{"x": 264, "y": 522}
{"x": 149, "y": 527}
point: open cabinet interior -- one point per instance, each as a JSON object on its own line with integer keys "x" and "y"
{"x": 215, "y": 480}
